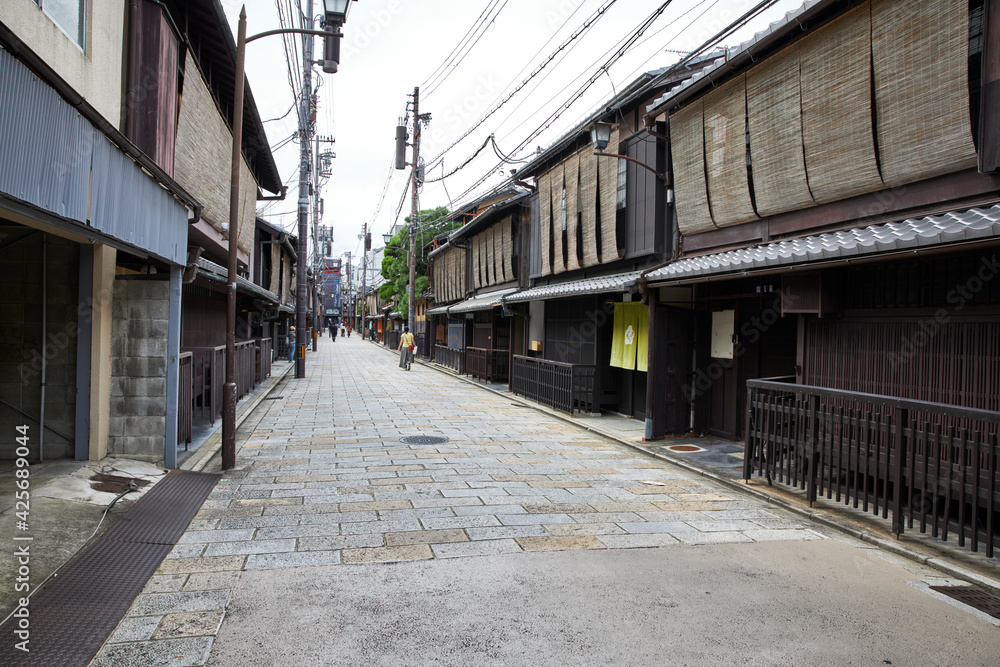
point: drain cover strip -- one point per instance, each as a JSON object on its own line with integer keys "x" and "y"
{"x": 73, "y": 615}
{"x": 974, "y": 597}
{"x": 424, "y": 440}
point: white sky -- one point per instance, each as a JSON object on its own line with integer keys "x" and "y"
{"x": 391, "y": 46}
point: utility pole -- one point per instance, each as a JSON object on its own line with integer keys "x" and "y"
{"x": 364, "y": 277}
{"x": 414, "y": 210}
{"x": 302, "y": 286}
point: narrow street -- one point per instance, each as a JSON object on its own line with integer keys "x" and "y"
{"x": 521, "y": 540}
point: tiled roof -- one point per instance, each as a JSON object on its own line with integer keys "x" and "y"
{"x": 478, "y": 302}
{"x": 616, "y": 283}
{"x": 977, "y": 223}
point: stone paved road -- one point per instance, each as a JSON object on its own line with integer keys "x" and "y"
{"x": 324, "y": 480}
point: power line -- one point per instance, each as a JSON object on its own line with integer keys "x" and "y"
{"x": 480, "y": 27}
{"x": 586, "y": 25}
{"x": 628, "y": 41}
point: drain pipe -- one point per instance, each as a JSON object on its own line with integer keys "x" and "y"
{"x": 45, "y": 322}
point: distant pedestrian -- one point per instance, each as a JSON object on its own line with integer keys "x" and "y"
{"x": 333, "y": 332}
{"x": 291, "y": 344}
{"x": 407, "y": 345}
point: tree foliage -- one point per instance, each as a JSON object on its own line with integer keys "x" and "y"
{"x": 395, "y": 269}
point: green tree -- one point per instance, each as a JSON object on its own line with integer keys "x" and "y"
{"x": 395, "y": 269}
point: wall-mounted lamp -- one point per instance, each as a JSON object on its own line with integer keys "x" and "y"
{"x": 600, "y": 136}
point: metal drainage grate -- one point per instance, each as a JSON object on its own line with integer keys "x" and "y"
{"x": 424, "y": 440}
{"x": 974, "y": 597}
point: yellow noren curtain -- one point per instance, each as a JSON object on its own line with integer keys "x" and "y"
{"x": 631, "y": 336}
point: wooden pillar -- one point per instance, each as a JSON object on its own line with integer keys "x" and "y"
{"x": 100, "y": 350}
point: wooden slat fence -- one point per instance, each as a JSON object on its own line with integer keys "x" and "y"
{"x": 910, "y": 461}
{"x": 566, "y": 387}
{"x": 487, "y": 365}
{"x": 185, "y": 404}
{"x": 450, "y": 357}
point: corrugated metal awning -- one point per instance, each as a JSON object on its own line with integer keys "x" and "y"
{"x": 839, "y": 247}
{"x": 615, "y": 283}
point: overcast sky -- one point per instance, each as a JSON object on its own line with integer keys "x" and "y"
{"x": 391, "y": 46}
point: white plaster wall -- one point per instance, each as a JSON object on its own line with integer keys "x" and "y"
{"x": 95, "y": 72}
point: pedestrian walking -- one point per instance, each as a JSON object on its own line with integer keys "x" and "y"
{"x": 333, "y": 332}
{"x": 291, "y": 344}
{"x": 407, "y": 345}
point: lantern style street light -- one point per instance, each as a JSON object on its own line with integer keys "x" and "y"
{"x": 600, "y": 136}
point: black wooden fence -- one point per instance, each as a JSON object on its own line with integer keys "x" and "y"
{"x": 450, "y": 357}
{"x": 562, "y": 386}
{"x": 912, "y": 462}
{"x": 487, "y": 365}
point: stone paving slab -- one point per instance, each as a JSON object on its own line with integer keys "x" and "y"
{"x": 325, "y": 481}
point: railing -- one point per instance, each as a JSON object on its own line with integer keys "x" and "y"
{"x": 566, "y": 387}
{"x": 185, "y": 386}
{"x": 394, "y": 339}
{"x": 208, "y": 376}
{"x": 450, "y": 357}
{"x": 488, "y": 365}
{"x": 265, "y": 355}
{"x": 922, "y": 462}
{"x": 421, "y": 343}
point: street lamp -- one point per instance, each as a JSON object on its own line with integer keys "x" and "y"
{"x": 335, "y": 15}
{"x": 335, "y": 10}
{"x": 600, "y": 136}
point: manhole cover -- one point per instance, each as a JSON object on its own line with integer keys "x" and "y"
{"x": 685, "y": 448}
{"x": 423, "y": 440}
{"x": 974, "y": 597}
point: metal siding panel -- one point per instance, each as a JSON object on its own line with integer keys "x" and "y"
{"x": 45, "y": 145}
{"x": 130, "y": 206}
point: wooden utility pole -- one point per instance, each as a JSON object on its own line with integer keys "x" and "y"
{"x": 414, "y": 210}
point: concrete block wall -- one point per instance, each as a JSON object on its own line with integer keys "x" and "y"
{"x": 22, "y": 344}
{"x": 139, "y": 369}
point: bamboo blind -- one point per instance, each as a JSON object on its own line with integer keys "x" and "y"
{"x": 492, "y": 236}
{"x": 545, "y": 225}
{"x": 607, "y": 174}
{"x": 507, "y": 232}
{"x": 497, "y": 253}
{"x": 774, "y": 106}
{"x": 558, "y": 209}
{"x": 588, "y": 199}
{"x": 837, "y": 108}
{"x": 572, "y": 176}
{"x": 726, "y": 153}
{"x": 488, "y": 278}
{"x": 920, "y": 53}
{"x": 477, "y": 244}
{"x": 495, "y": 234}
{"x": 687, "y": 148}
